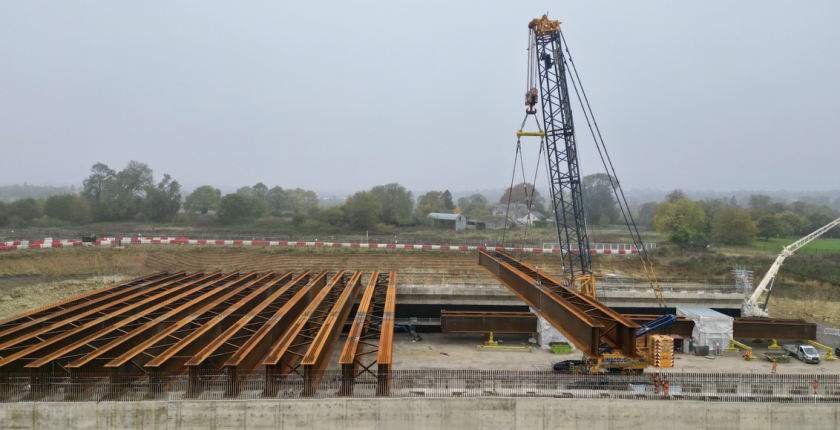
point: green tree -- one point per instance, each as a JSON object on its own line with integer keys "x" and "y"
{"x": 769, "y": 226}
{"x": 430, "y": 202}
{"x": 675, "y": 196}
{"x": 396, "y": 202}
{"x": 237, "y": 207}
{"x": 362, "y": 210}
{"x": 521, "y": 193}
{"x": 447, "y": 200}
{"x": 68, "y": 207}
{"x": 759, "y": 201}
{"x": 245, "y": 191}
{"x": 334, "y": 216}
{"x": 260, "y": 190}
{"x": 205, "y": 198}
{"x": 734, "y": 226}
{"x": 473, "y": 206}
{"x": 300, "y": 200}
{"x": 792, "y": 222}
{"x": 164, "y": 200}
{"x": 25, "y": 209}
{"x": 93, "y": 184}
{"x": 681, "y": 221}
{"x": 599, "y": 200}
{"x": 646, "y": 214}
{"x": 4, "y": 217}
{"x": 122, "y": 195}
{"x": 276, "y": 199}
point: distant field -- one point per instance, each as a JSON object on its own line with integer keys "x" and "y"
{"x": 816, "y": 246}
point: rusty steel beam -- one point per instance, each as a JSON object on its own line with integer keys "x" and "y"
{"x": 363, "y": 332}
{"x": 315, "y": 361}
{"x": 17, "y": 354}
{"x": 583, "y": 320}
{"x": 248, "y": 358}
{"x": 285, "y": 355}
{"x": 17, "y": 333}
{"x": 773, "y": 328}
{"x": 119, "y": 328}
{"x": 384, "y": 358}
{"x": 74, "y": 304}
{"x": 176, "y": 356}
{"x": 218, "y": 351}
{"x": 135, "y": 358}
{"x": 103, "y": 352}
{"x": 487, "y": 322}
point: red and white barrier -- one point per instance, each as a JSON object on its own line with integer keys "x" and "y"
{"x": 68, "y": 243}
{"x": 185, "y": 240}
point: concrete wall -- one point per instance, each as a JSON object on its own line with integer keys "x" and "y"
{"x": 415, "y": 414}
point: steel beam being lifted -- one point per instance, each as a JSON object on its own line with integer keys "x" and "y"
{"x": 584, "y": 321}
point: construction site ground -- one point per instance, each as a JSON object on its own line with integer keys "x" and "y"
{"x": 32, "y": 279}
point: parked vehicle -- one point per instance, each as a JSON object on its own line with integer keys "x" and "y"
{"x": 806, "y": 353}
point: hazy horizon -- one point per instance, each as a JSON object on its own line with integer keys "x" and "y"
{"x": 335, "y": 96}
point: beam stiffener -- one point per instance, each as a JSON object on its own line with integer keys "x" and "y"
{"x": 385, "y": 356}
{"x": 586, "y": 322}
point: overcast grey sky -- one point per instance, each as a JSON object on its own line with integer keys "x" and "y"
{"x": 343, "y": 96}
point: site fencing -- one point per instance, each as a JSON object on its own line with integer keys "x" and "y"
{"x": 664, "y": 386}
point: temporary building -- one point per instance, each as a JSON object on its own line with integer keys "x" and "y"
{"x": 711, "y": 328}
{"x": 459, "y": 221}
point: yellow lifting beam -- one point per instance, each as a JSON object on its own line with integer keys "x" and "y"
{"x": 521, "y": 133}
{"x": 733, "y": 344}
{"x": 830, "y": 356}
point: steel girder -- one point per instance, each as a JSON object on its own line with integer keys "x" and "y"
{"x": 371, "y": 335}
{"x": 682, "y": 326}
{"x": 586, "y": 322}
{"x": 487, "y": 322}
{"x": 177, "y": 355}
{"x": 72, "y": 306}
{"x": 323, "y": 313}
{"x": 773, "y": 328}
{"x": 21, "y": 351}
{"x": 16, "y": 333}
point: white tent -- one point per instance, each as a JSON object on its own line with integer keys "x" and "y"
{"x": 711, "y": 328}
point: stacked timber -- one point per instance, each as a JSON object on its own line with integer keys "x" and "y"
{"x": 661, "y": 350}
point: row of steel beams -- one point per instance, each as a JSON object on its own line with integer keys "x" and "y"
{"x": 311, "y": 332}
{"x": 18, "y": 352}
{"x": 583, "y": 320}
{"x": 17, "y": 328}
{"x": 370, "y": 337}
{"x": 71, "y": 306}
{"x": 234, "y": 350}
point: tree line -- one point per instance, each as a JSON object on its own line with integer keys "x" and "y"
{"x": 684, "y": 221}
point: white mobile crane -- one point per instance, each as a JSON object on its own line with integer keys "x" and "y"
{"x": 750, "y": 307}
